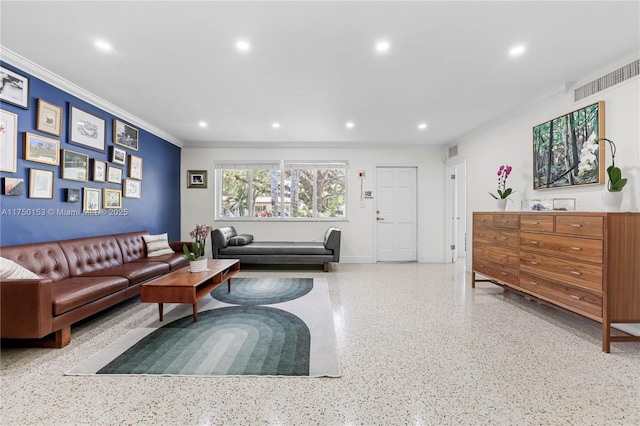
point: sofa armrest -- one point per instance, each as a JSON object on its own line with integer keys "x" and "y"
{"x": 26, "y": 308}
{"x": 332, "y": 242}
{"x": 220, "y": 239}
{"x": 177, "y": 246}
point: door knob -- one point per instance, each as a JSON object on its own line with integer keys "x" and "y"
{"x": 379, "y": 218}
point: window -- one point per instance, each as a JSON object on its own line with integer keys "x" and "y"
{"x": 281, "y": 190}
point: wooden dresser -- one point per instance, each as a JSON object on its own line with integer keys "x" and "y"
{"x": 585, "y": 262}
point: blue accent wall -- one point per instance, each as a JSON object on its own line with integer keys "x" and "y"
{"x": 26, "y": 220}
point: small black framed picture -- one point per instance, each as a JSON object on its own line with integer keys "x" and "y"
{"x": 73, "y": 195}
{"x": 196, "y": 178}
{"x": 15, "y": 88}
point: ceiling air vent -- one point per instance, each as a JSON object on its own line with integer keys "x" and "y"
{"x": 614, "y": 77}
{"x": 453, "y": 151}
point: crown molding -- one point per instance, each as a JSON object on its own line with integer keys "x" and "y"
{"x": 47, "y": 76}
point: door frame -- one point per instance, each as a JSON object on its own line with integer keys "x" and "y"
{"x": 448, "y": 170}
{"x": 418, "y": 204}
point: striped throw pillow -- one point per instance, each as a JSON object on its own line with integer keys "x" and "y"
{"x": 157, "y": 245}
{"x": 10, "y": 270}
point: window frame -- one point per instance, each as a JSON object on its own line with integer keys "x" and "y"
{"x": 283, "y": 166}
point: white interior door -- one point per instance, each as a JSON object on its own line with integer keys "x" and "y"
{"x": 396, "y": 214}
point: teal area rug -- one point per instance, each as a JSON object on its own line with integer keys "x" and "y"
{"x": 234, "y": 336}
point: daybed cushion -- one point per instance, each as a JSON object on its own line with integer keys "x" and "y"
{"x": 240, "y": 240}
{"x": 10, "y": 270}
{"x": 277, "y": 248}
{"x": 157, "y": 245}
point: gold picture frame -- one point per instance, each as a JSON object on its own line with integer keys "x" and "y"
{"x": 9, "y": 141}
{"x": 40, "y": 183}
{"x": 125, "y": 135}
{"x": 92, "y": 200}
{"x": 132, "y": 188}
{"x": 75, "y": 165}
{"x": 135, "y": 167}
{"x": 41, "y": 150}
{"x": 49, "y": 118}
{"x": 112, "y": 198}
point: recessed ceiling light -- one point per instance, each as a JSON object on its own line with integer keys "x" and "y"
{"x": 202, "y": 124}
{"x": 350, "y": 125}
{"x": 243, "y": 45}
{"x": 422, "y": 126}
{"x": 275, "y": 125}
{"x": 382, "y": 46}
{"x": 517, "y": 50}
{"x": 101, "y": 44}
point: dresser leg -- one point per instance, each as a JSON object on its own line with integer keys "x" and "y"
{"x": 606, "y": 336}
{"x": 473, "y": 280}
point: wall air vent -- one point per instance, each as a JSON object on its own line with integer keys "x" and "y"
{"x": 614, "y": 77}
{"x": 453, "y": 151}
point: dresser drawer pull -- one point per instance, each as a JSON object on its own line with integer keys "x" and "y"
{"x": 534, "y": 283}
{"x": 482, "y": 235}
{"x": 533, "y": 262}
{"x": 576, "y": 273}
{"x": 504, "y": 273}
{"x": 505, "y": 238}
{"x": 504, "y": 221}
{"x": 482, "y": 220}
{"x": 576, "y": 248}
{"x": 504, "y": 255}
{"x": 535, "y": 242}
{"x": 576, "y": 225}
{"x": 576, "y": 297}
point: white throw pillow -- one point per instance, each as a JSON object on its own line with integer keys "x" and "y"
{"x": 10, "y": 270}
{"x": 157, "y": 245}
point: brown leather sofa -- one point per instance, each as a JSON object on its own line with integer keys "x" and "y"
{"x": 79, "y": 278}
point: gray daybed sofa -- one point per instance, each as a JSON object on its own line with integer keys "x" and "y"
{"x": 228, "y": 244}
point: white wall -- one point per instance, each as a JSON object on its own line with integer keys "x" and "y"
{"x": 511, "y": 143}
{"x": 358, "y": 232}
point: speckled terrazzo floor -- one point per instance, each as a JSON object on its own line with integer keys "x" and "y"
{"x": 416, "y": 344}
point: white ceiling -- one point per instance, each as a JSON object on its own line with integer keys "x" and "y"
{"x": 313, "y": 67}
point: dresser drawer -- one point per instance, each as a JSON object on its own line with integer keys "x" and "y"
{"x": 496, "y": 236}
{"x": 565, "y": 295}
{"x": 587, "y": 226}
{"x": 482, "y": 220}
{"x": 581, "y": 249}
{"x": 507, "y": 221}
{"x": 495, "y": 271}
{"x": 541, "y": 223}
{"x": 573, "y": 272}
{"x": 498, "y": 254}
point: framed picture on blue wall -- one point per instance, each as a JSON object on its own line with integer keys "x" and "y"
{"x": 75, "y": 165}
{"x": 8, "y": 141}
{"x": 86, "y": 129}
{"x": 15, "y": 88}
{"x": 125, "y": 135}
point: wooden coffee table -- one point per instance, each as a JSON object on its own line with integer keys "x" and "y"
{"x": 183, "y": 286}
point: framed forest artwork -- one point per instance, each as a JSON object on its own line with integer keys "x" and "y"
{"x": 566, "y": 151}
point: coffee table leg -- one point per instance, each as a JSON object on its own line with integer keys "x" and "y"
{"x": 195, "y": 312}
{"x": 229, "y": 285}
{"x": 160, "y": 310}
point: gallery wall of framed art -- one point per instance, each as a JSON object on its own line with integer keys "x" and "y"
{"x": 65, "y": 158}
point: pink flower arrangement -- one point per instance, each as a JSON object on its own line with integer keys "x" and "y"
{"x": 199, "y": 235}
{"x": 503, "y": 173}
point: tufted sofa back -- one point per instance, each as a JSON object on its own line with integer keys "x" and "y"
{"x": 220, "y": 238}
{"x": 45, "y": 259}
{"x": 132, "y": 245}
{"x": 91, "y": 254}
